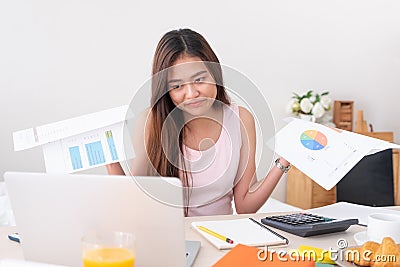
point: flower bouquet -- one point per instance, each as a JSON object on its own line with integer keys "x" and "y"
{"x": 310, "y": 106}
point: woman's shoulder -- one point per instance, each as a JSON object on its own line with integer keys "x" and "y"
{"x": 242, "y": 111}
{"x": 245, "y": 115}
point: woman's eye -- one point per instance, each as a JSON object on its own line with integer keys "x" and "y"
{"x": 176, "y": 86}
{"x": 200, "y": 79}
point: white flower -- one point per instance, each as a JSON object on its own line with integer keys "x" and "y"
{"x": 326, "y": 102}
{"x": 318, "y": 110}
{"x": 311, "y": 104}
{"x": 306, "y": 105}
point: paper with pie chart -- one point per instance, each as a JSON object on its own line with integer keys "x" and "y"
{"x": 324, "y": 154}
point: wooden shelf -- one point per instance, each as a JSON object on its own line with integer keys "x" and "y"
{"x": 343, "y": 115}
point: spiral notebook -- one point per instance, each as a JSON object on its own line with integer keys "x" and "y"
{"x": 242, "y": 231}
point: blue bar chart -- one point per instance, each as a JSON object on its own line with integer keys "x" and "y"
{"x": 111, "y": 145}
{"x": 76, "y": 159}
{"x": 95, "y": 153}
{"x": 87, "y": 150}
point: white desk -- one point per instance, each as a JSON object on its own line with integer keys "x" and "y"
{"x": 208, "y": 254}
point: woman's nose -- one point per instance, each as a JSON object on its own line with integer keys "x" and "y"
{"x": 191, "y": 90}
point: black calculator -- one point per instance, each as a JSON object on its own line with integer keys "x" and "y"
{"x": 307, "y": 224}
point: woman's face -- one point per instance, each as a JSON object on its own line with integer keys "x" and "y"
{"x": 191, "y": 86}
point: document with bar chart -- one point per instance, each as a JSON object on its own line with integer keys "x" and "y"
{"x": 324, "y": 154}
{"x": 84, "y": 151}
{"x": 78, "y": 143}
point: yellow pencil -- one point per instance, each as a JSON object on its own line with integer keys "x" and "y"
{"x": 228, "y": 240}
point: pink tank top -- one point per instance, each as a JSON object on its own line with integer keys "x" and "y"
{"x": 214, "y": 170}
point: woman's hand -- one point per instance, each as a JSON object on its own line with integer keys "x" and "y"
{"x": 115, "y": 169}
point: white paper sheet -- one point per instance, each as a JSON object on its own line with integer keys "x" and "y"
{"x": 40, "y": 135}
{"x": 324, "y": 154}
{"x": 344, "y": 210}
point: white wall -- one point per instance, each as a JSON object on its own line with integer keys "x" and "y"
{"x": 60, "y": 59}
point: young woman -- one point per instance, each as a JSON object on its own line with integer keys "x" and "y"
{"x": 194, "y": 132}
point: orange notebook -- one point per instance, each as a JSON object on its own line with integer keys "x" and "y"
{"x": 242, "y": 255}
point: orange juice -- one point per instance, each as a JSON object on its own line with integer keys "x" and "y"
{"x": 108, "y": 257}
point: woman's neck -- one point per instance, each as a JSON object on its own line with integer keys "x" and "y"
{"x": 214, "y": 115}
{"x": 201, "y": 133}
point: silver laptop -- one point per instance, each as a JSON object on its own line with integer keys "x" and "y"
{"x": 53, "y": 211}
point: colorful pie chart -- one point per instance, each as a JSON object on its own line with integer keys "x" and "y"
{"x": 313, "y": 140}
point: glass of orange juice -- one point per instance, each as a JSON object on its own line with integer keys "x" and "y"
{"x": 114, "y": 249}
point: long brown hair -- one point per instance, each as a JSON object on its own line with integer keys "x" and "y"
{"x": 164, "y": 146}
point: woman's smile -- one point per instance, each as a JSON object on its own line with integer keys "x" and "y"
{"x": 195, "y": 103}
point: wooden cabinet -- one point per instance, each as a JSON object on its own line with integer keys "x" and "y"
{"x": 343, "y": 115}
{"x": 396, "y": 176}
{"x": 304, "y": 193}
